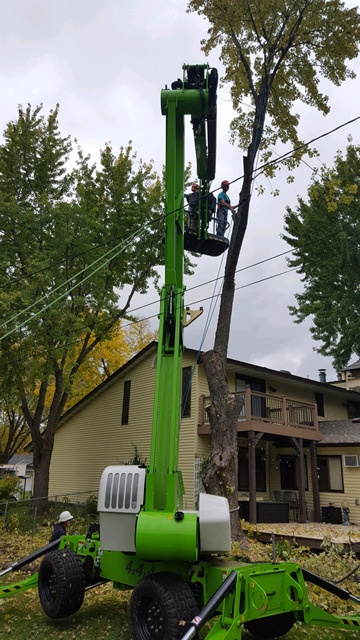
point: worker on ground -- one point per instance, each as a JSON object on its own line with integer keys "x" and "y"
{"x": 224, "y": 205}
{"x": 193, "y": 202}
{"x": 60, "y": 527}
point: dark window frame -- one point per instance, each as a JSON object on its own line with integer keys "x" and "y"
{"x": 319, "y": 401}
{"x": 126, "y": 402}
{"x": 291, "y": 461}
{"x": 185, "y": 378}
{"x": 323, "y": 480}
{"x": 243, "y": 470}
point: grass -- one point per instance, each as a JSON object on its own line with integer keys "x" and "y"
{"x": 104, "y": 616}
{"x": 104, "y": 613}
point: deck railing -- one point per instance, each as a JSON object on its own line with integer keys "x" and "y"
{"x": 274, "y": 410}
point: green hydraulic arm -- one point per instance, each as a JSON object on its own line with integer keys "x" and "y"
{"x": 163, "y": 482}
{"x": 158, "y": 529}
{"x": 188, "y": 97}
{"x": 265, "y": 598}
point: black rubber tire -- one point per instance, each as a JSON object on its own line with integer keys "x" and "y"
{"x": 61, "y": 583}
{"x": 272, "y": 626}
{"x": 158, "y": 604}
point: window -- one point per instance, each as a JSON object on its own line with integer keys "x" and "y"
{"x": 330, "y": 473}
{"x": 319, "y": 399}
{"x": 243, "y": 471}
{"x": 288, "y": 472}
{"x": 353, "y": 409}
{"x": 186, "y": 392}
{"x": 126, "y": 402}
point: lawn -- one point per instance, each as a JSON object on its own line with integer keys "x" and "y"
{"x": 104, "y": 616}
{"x": 104, "y": 613}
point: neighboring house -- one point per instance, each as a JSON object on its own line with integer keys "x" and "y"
{"x": 279, "y": 429}
{"x": 349, "y": 378}
{"x": 20, "y": 465}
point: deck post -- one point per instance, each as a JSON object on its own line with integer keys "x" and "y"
{"x": 315, "y": 481}
{"x": 252, "y": 477}
{"x": 253, "y": 439}
{"x": 248, "y": 403}
{"x": 284, "y": 412}
{"x": 298, "y": 445}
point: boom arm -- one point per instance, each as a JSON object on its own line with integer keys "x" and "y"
{"x": 191, "y": 96}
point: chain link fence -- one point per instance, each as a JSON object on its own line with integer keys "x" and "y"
{"x": 29, "y": 517}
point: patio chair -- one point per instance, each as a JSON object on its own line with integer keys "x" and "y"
{"x": 279, "y": 496}
{"x": 292, "y": 499}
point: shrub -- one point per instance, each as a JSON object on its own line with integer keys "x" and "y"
{"x": 10, "y": 487}
{"x": 90, "y": 506}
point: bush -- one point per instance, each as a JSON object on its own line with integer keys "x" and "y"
{"x": 10, "y": 487}
{"x": 90, "y": 506}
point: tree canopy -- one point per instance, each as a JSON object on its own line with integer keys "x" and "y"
{"x": 325, "y": 235}
{"x": 76, "y": 242}
{"x": 14, "y": 432}
{"x": 275, "y": 53}
{"x": 124, "y": 341}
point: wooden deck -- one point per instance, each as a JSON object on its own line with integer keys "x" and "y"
{"x": 310, "y": 534}
{"x": 274, "y": 415}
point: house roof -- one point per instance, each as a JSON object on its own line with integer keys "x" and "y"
{"x": 242, "y": 368}
{"x": 354, "y": 365}
{"x": 340, "y": 432}
{"x": 21, "y": 458}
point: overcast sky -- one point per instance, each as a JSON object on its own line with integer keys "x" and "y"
{"x": 105, "y": 62}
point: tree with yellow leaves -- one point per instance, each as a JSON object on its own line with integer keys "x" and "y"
{"x": 125, "y": 341}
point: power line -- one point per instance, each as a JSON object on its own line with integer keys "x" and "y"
{"x": 257, "y": 170}
{"x": 214, "y": 296}
{"x": 143, "y": 227}
{"x": 115, "y": 251}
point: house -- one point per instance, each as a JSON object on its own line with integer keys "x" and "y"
{"x": 279, "y": 437}
{"x": 20, "y": 465}
{"x": 349, "y": 378}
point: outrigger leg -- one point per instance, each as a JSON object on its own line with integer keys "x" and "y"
{"x": 31, "y": 581}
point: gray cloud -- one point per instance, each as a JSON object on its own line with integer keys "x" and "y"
{"x": 105, "y": 63}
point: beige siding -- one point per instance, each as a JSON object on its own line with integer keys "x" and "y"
{"x": 351, "y": 479}
{"x": 188, "y": 434}
{"x": 94, "y": 437}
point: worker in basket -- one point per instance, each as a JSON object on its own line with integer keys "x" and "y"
{"x": 193, "y": 206}
{"x": 207, "y": 200}
{"x": 224, "y": 205}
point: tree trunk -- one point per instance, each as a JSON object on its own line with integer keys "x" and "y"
{"x": 222, "y": 473}
{"x": 225, "y": 407}
{"x": 43, "y": 441}
{"x": 41, "y": 480}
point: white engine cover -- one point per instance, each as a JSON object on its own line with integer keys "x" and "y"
{"x": 121, "y": 496}
{"x": 214, "y": 524}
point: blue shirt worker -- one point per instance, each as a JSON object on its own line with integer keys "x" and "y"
{"x": 60, "y": 527}
{"x": 224, "y": 205}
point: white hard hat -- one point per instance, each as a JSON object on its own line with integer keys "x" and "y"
{"x": 65, "y": 516}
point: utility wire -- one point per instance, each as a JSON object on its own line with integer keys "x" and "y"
{"x": 80, "y": 340}
{"x": 163, "y": 216}
{"x": 143, "y": 227}
{"x": 143, "y": 306}
{"x": 68, "y": 290}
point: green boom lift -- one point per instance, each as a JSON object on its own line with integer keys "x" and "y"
{"x": 173, "y": 559}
